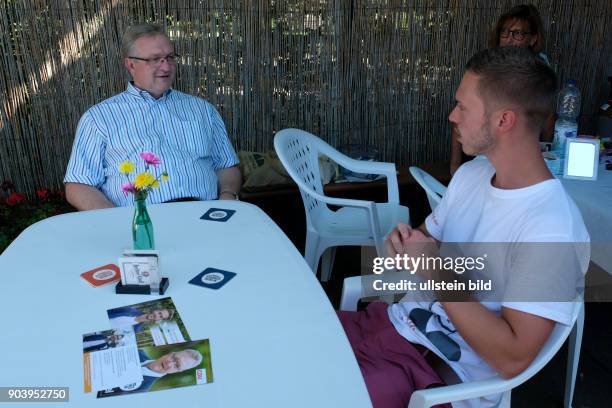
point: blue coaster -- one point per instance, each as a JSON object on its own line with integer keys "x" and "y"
{"x": 212, "y": 278}
{"x": 217, "y": 214}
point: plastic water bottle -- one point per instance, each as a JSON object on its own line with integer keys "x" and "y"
{"x": 566, "y": 126}
{"x": 568, "y": 109}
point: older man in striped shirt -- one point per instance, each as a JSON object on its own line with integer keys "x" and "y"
{"x": 185, "y": 131}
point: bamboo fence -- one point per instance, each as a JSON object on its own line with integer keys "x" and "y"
{"x": 380, "y": 73}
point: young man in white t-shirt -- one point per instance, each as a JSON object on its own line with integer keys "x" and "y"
{"x": 510, "y": 199}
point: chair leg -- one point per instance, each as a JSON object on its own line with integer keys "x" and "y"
{"x": 327, "y": 263}
{"x": 310, "y": 253}
{"x": 573, "y": 350}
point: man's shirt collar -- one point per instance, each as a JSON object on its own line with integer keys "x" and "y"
{"x": 134, "y": 90}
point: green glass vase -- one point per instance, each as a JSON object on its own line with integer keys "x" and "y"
{"x": 142, "y": 227}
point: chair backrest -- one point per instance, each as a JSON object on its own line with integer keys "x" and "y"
{"x": 299, "y": 152}
{"x": 434, "y": 189}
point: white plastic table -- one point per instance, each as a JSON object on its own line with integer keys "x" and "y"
{"x": 594, "y": 199}
{"x": 275, "y": 338}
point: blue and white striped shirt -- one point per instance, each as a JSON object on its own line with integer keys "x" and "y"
{"x": 185, "y": 131}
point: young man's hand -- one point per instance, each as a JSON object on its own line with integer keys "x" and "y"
{"x": 413, "y": 243}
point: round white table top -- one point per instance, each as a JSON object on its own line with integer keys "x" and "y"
{"x": 275, "y": 338}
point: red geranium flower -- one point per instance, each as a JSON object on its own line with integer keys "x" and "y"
{"x": 43, "y": 193}
{"x": 15, "y": 198}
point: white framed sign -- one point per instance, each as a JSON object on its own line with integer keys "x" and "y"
{"x": 140, "y": 267}
{"x": 581, "y": 159}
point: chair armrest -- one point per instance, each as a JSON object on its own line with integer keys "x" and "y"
{"x": 351, "y": 293}
{"x": 438, "y": 187}
{"x": 358, "y": 166}
{"x": 429, "y": 183}
{"x": 386, "y": 169}
{"x": 364, "y": 166}
{"x": 369, "y": 167}
{"x": 368, "y": 206}
{"x": 345, "y": 202}
{"x": 359, "y": 287}
{"x": 457, "y": 392}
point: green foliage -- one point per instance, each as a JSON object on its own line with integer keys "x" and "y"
{"x": 17, "y": 212}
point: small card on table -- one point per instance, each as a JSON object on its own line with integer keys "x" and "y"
{"x": 212, "y": 278}
{"x": 139, "y": 267}
{"x": 102, "y": 276}
{"x": 218, "y": 214}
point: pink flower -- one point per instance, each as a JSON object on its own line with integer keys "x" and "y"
{"x": 127, "y": 187}
{"x": 150, "y": 158}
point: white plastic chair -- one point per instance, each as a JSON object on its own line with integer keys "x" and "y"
{"x": 353, "y": 290}
{"x": 357, "y": 222}
{"x": 434, "y": 189}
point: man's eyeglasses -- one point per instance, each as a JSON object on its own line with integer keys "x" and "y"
{"x": 157, "y": 61}
{"x": 518, "y": 35}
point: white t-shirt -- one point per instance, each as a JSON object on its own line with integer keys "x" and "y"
{"x": 473, "y": 211}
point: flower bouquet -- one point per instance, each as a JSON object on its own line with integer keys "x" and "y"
{"x": 141, "y": 186}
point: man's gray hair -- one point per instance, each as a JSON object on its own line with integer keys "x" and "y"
{"x": 195, "y": 355}
{"x": 135, "y": 32}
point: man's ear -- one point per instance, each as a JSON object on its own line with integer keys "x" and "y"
{"x": 505, "y": 120}
{"x": 129, "y": 65}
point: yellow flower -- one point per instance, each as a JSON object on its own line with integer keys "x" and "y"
{"x": 144, "y": 180}
{"x": 127, "y": 167}
{"x": 165, "y": 177}
{"x": 155, "y": 184}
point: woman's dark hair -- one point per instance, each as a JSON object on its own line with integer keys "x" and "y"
{"x": 524, "y": 12}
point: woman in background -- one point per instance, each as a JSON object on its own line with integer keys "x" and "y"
{"x": 521, "y": 26}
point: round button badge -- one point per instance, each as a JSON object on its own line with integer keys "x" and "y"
{"x": 212, "y": 277}
{"x": 104, "y": 274}
{"x": 216, "y": 215}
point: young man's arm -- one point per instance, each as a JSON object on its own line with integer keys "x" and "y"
{"x": 508, "y": 343}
